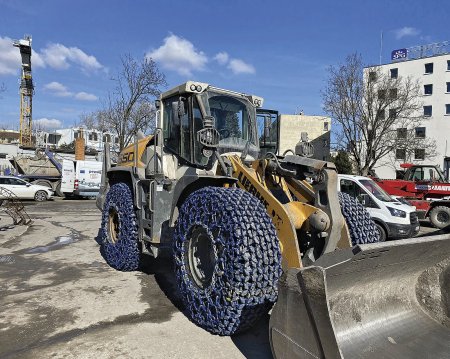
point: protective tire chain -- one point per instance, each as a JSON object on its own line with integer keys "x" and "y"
{"x": 360, "y": 225}
{"x": 124, "y": 254}
{"x": 248, "y": 259}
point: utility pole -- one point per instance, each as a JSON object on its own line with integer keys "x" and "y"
{"x": 26, "y": 92}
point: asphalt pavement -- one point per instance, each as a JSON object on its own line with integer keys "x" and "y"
{"x": 59, "y": 299}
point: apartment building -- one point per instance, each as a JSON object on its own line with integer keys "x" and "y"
{"x": 433, "y": 73}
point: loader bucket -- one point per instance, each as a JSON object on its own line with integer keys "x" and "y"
{"x": 381, "y": 300}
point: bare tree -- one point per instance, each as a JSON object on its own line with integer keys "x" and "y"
{"x": 369, "y": 107}
{"x": 129, "y": 107}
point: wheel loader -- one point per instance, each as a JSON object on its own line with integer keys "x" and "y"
{"x": 249, "y": 229}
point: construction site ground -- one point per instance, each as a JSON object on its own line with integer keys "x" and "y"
{"x": 59, "y": 299}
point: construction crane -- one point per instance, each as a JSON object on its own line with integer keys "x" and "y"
{"x": 26, "y": 92}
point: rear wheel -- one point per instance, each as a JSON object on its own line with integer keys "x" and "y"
{"x": 361, "y": 226}
{"x": 440, "y": 216}
{"x": 119, "y": 235}
{"x": 40, "y": 196}
{"x": 227, "y": 259}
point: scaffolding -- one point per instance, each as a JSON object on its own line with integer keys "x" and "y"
{"x": 26, "y": 92}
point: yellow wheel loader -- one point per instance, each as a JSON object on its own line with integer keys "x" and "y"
{"x": 248, "y": 228}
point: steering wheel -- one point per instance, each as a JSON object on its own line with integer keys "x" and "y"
{"x": 224, "y": 133}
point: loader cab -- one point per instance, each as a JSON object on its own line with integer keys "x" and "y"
{"x": 228, "y": 117}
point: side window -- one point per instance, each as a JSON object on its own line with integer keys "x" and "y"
{"x": 2, "y": 180}
{"x": 350, "y": 187}
{"x": 171, "y": 124}
{"x": 417, "y": 175}
{"x": 17, "y": 182}
{"x": 185, "y": 141}
{"x": 198, "y": 125}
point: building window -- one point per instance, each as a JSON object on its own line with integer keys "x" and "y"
{"x": 448, "y": 65}
{"x": 372, "y": 76}
{"x": 448, "y": 87}
{"x": 393, "y": 94}
{"x": 75, "y": 134}
{"x": 106, "y": 138}
{"x": 419, "y": 154}
{"x": 428, "y": 89}
{"x": 420, "y": 132}
{"x": 402, "y": 132}
{"x": 380, "y": 115}
{"x": 116, "y": 140}
{"x": 325, "y": 126}
{"x": 93, "y": 136}
{"x": 447, "y": 109}
{"x": 427, "y": 111}
{"x": 429, "y": 68}
{"x": 392, "y": 114}
{"x": 382, "y": 94}
{"x": 394, "y": 73}
{"x": 400, "y": 153}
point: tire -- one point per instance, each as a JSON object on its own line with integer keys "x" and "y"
{"x": 227, "y": 259}
{"x": 40, "y": 196}
{"x": 361, "y": 227}
{"x": 440, "y": 217}
{"x": 58, "y": 191}
{"x": 381, "y": 232}
{"x": 119, "y": 232}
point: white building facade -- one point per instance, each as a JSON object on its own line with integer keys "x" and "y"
{"x": 433, "y": 73}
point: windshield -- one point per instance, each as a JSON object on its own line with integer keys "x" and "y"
{"x": 376, "y": 190}
{"x": 235, "y": 121}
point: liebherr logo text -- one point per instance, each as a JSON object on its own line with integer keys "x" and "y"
{"x": 251, "y": 189}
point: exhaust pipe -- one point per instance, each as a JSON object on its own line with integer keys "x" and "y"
{"x": 381, "y": 300}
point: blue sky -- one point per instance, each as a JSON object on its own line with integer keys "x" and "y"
{"x": 279, "y": 50}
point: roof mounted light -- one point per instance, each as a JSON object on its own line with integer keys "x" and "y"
{"x": 196, "y": 87}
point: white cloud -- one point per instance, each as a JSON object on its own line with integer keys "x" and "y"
{"x": 84, "y": 96}
{"x": 61, "y": 57}
{"x": 58, "y": 89}
{"x": 47, "y": 124}
{"x": 238, "y": 66}
{"x": 179, "y": 55}
{"x": 9, "y": 57}
{"x": 406, "y": 31}
{"x": 222, "y": 58}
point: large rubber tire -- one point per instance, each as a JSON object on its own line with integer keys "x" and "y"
{"x": 240, "y": 281}
{"x": 440, "y": 217}
{"x": 119, "y": 233}
{"x": 360, "y": 225}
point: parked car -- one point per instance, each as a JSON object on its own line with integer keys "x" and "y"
{"x": 394, "y": 219}
{"x": 25, "y": 190}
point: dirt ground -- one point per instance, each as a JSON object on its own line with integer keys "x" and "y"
{"x": 58, "y": 298}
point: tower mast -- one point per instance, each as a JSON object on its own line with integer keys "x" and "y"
{"x": 26, "y": 92}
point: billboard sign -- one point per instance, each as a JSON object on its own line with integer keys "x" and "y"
{"x": 400, "y": 54}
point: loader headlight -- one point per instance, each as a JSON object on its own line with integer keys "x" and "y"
{"x": 396, "y": 212}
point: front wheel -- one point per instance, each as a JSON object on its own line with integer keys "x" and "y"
{"x": 381, "y": 231}
{"x": 440, "y": 216}
{"x": 40, "y": 196}
{"x": 227, "y": 259}
{"x": 360, "y": 225}
{"x": 119, "y": 234}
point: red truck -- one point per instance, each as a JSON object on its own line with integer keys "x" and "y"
{"x": 425, "y": 187}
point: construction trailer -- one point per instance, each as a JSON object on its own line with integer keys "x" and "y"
{"x": 247, "y": 229}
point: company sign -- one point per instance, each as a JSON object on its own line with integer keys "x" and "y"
{"x": 400, "y": 54}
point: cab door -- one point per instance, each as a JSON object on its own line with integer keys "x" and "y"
{"x": 268, "y": 127}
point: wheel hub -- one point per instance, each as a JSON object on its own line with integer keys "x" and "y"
{"x": 443, "y": 217}
{"x": 201, "y": 256}
{"x": 113, "y": 225}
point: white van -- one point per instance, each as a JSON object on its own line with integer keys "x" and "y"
{"x": 81, "y": 178}
{"x": 394, "y": 220}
